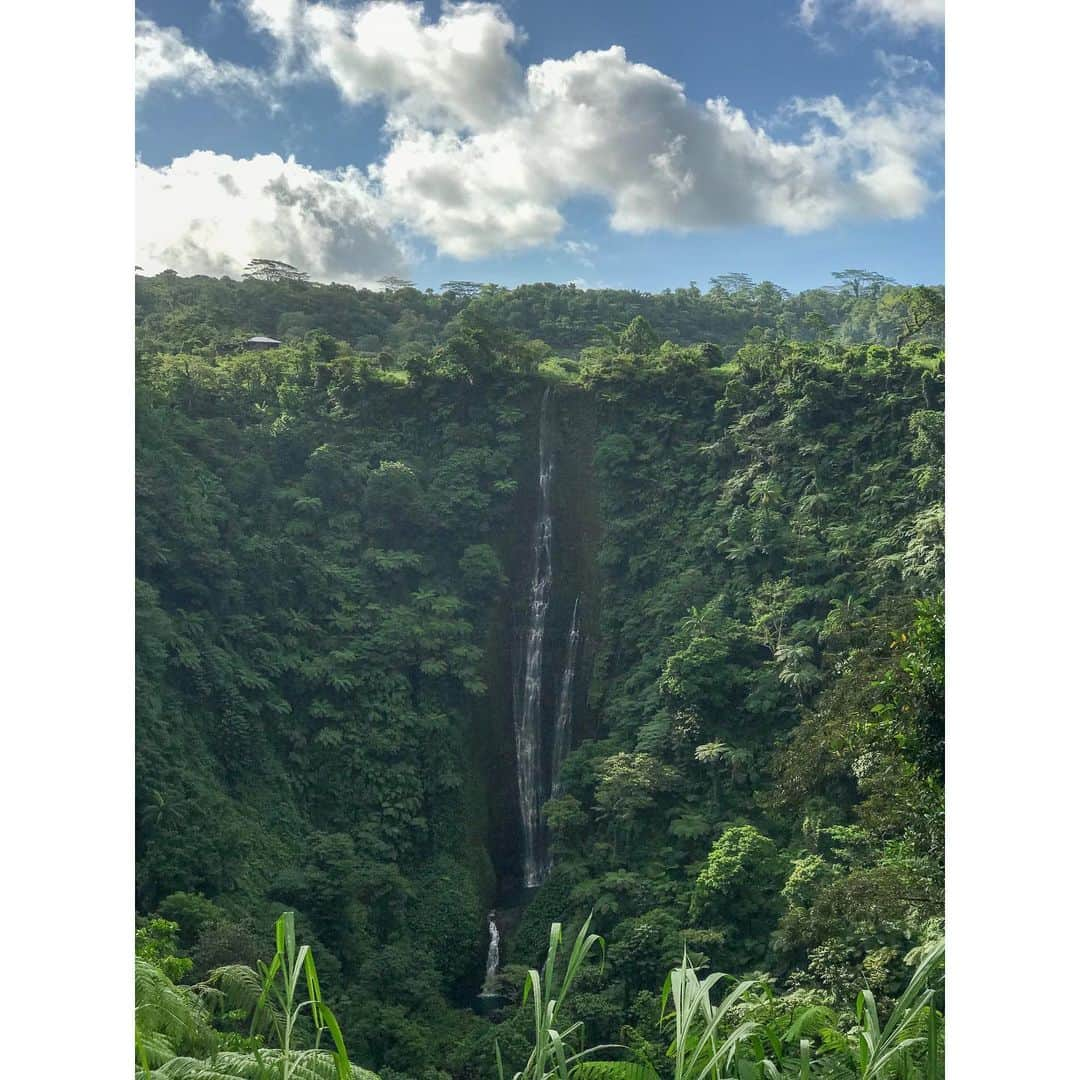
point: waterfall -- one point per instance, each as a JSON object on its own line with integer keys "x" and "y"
{"x": 564, "y": 718}
{"x": 527, "y": 713}
{"x": 492, "y": 956}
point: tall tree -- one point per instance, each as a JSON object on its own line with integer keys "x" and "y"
{"x": 731, "y": 283}
{"x": 272, "y": 270}
{"x": 862, "y": 282}
{"x": 392, "y": 283}
{"x": 918, "y": 308}
{"x": 467, "y": 289}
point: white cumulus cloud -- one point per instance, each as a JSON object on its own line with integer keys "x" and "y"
{"x": 456, "y": 70}
{"x": 597, "y": 124}
{"x": 209, "y": 213}
{"x": 481, "y": 155}
{"x": 164, "y": 58}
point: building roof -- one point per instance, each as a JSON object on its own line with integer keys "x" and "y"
{"x": 260, "y": 339}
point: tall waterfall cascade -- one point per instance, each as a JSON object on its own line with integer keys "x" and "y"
{"x": 528, "y": 735}
{"x": 564, "y": 718}
{"x": 492, "y": 955}
{"x": 542, "y": 740}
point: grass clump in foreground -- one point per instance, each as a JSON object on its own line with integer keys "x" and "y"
{"x": 736, "y": 1038}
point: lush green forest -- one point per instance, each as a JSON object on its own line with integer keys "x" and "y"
{"x": 737, "y": 624}
{"x": 200, "y": 313}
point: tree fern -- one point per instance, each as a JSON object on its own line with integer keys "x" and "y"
{"x": 169, "y": 1019}
{"x": 271, "y": 996}
{"x": 261, "y": 1065}
{"x": 614, "y": 1070}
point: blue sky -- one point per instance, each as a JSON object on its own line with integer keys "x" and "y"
{"x": 510, "y": 143}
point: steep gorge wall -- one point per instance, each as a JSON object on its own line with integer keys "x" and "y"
{"x": 575, "y": 535}
{"x": 308, "y": 640}
{"x": 327, "y": 682}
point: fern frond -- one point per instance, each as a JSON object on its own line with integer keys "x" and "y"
{"x": 242, "y": 988}
{"x": 167, "y": 1017}
{"x": 614, "y": 1070}
{"x": 307, "y": 1065}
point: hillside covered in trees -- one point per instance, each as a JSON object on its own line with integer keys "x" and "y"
{"x": 198, "y": 313}
{"x": 647, "y": 585}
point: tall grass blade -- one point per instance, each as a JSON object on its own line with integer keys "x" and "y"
{"x": 933, "y": 1062}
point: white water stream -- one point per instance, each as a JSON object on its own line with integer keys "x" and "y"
{"x": 493, "y": 955}
{"x": 528, "y": 735}
{"x": 564, "y": 718}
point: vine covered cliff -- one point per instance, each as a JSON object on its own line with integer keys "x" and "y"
{"x": 337, "y": 576}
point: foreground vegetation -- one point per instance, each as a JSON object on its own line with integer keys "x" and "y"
{"x": 745, "y": 1035}
{"x": 327, "y": 545}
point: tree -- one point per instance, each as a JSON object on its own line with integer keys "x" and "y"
{"x": 224, "y": 942}
{"x": 818, "y": 324}
{"x": 272, "y": 270}
{"x": 192, "y": 913}
{"x": 731, "y": 283}
{"x": 157, "y": 941}
{"x": 294, "y": 324}
{"x": 712, "y": 753}
{"x": 642, "y": 947}
{"x": 393, "y": 496}
{"x": 628, "y": 786}
{"x": 565, "y": 818}
{"x": 638, "y": 337}
{"x": 739, "y": 882}
{"x": 918, "y": 309}
{"x": 862, "y": 282}
{"x": 393, "y": 283}
{"x": 465, "y": 289}
{"x": 481, "y": 571}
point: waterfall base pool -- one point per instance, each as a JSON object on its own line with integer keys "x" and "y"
{"x": 488, "y": 1004}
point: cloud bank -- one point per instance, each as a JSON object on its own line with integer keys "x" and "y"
{"x": 209, "y": 213}
{"x": 482, "y": 155}
{"x": 455, "y": 71}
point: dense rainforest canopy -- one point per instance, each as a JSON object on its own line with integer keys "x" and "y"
{"x": 335, "y": 543}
